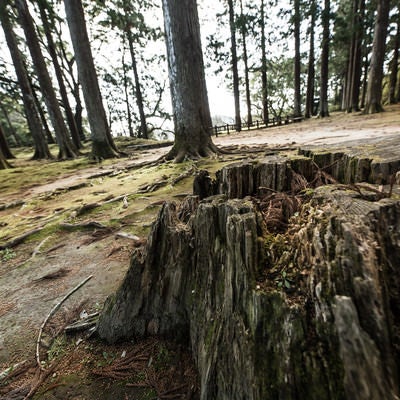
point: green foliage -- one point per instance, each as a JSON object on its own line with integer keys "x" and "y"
{"x": 163, "y": 358}
{"x": 58, "y": 348}
{"x": 283, "y": 281}
{"x": 7, "y": 254}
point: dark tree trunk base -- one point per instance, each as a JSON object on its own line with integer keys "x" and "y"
{"x": 4, "y": 164}
{"x": 39, "y": 155}
{"x": 102, "y": 151}
{"x": 180, "y": 153}
{"x": 373, "y": 108}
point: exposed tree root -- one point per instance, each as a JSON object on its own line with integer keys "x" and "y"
{"x": 85, "y": 225}
{"x": 14, "y": 204}
{"x": 60, "y": 273}
{"x": 40, "y": 377}
{"x": 181, "y": 153}
{"x": 20, "y": 239}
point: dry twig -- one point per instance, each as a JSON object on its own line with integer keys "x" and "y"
{"x": 53, "y": 310}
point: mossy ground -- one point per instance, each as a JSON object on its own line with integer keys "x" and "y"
{"x": 48, "y": 195}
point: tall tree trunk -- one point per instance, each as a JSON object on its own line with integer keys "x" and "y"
{"x": 234, "y": 61}
{"x": 46, "y": 17}
{"x": 297, "y": 61}
{"x": 394, "y": 65}
{"x": 4, "y": 164}
{"x": 74, "y": 86}
{"x": 41, "y": 148}
{"x": 364, "y": 80}
{"x": 4, "y": 147}
{"x": 353, "y": 76}
{"x": 357, "y": 63}
{"x": 375, "y": 75}
{"x": 138, "y": 89}
{"x": 66, "y": 147}
{"x": 102, "y": 142}
{"x": 309, "y": 111}
{"x": 10, "y": 125}
{"x": 323, "y": 98}
{"x": 42, "y": 114}
{"x": 346, "y": 103}
{"x": 264, "y": 82}
{"x": 125, "y": 79}
{"x": 246, "y": 66}
{"x": 190, "y": 106}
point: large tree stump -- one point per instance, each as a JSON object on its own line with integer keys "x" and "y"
{"x": 310, "y": 313}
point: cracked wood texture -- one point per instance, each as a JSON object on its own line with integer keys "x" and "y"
{"x": 211, "y": 277}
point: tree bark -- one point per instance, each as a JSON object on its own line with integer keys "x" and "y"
{"x": 46, "y": 17}
{"x": 375, "y": 74}
{"x": 234, "y": 61}
{"x": 353, "y": 75}
{"x": 4, "y": 164}
{"x": 4, "y": 147}
{"x": 102, "y": 142}
{"x": 42, "y": 114}
{"x": 323, "y": 98}
{"x": 309, "y": 313}
{"x": 357, "y": 62}
{"x": 138, "y": 88}
{"x": 10, "y": 125}
{"x": 309, "y": 111}
{"x": 364, "y": 80}
{"x": 66, "y": 147}
{"x": 190, "y": 106}
{"x": 297, "y": 61}
{"x": 125, "y": 79}
{"x": 74, "y": 85}
{"x": 394, "y": 65}
{"x": 41, "y": 148}
{"x": 243, "y": 29}
{"x": 264, "y": 82}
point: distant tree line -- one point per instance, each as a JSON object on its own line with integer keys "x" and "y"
{"x": 310, "y": 58}
{"x": 306, "y": 59}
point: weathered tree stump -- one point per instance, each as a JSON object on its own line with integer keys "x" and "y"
{"x": 311, "y": 313}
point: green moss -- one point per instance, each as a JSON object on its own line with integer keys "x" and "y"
{"x": 58, "y": 348}
{"x": 211, "y": 333}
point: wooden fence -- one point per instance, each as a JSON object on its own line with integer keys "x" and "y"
{"x": 259, "y": 124}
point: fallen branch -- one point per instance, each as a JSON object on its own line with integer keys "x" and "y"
{"x": 82, "y": 324}
{"x": 53, "y": 310}
{"x": 14, "y": 370}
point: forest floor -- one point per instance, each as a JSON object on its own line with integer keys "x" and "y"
{"x": 62, "y": 223}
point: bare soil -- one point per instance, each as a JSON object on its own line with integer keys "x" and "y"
{"x": 89, "y": 221}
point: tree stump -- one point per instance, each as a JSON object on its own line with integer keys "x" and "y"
{"x": 309, "y": 313}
